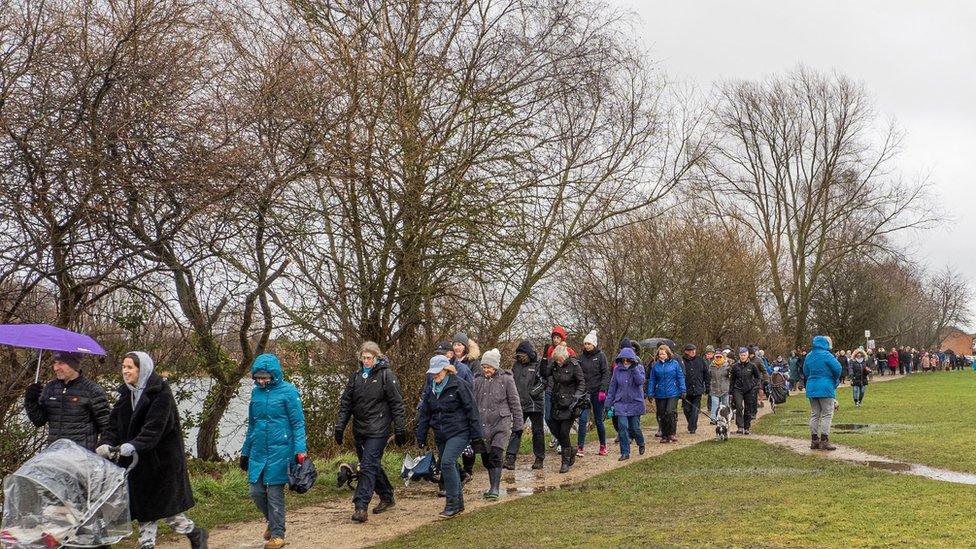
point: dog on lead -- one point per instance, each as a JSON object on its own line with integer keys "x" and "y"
{"x": 348, "y": 475}
{"x": 723, "y": 419}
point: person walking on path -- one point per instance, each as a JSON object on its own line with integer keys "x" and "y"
{"x": 744, "y": 381}
{"x": 696, "y": 381}
{"x": 596, "y": 372}
{"x": 718, "y": 383}
{"x": 372, "y": 399}
{"x": 893, "y": 363}
{"x": 881, "y": 358}
{"x": 71, "y": 405}
{"x": 501, "y": 413}
{"x": 557, "y": 338}
{"x": 275, "y": 440}
{"x": 568, "y": 388}
{"x": 145, "y": 420}
{"x": 666, "y": 383}
{"x": 528, "y": 382}
{"x": 450, "y": 411}
{"x": 625, "y": 396}
{"x": 860, "y": 370}
{"x": 822, "y": 371}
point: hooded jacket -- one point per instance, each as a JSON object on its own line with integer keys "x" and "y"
{"x": 498, "y": 407}
{"x": 859, "y": 372}
{"x": 696, "y": 374}
{"x": 450, "y": 413}
{"x": 159, "y": 485}
{"x": 77, "y": 410}
{"x": 275, "y": 425}
{"x": 666, "y": 379}
{"x": 528, "y": 380}
{"x": 596, "y": 371}
{"x": 821, "y": 370}
{"x": 626, "y": 391}
{"x": 373, "y": 402}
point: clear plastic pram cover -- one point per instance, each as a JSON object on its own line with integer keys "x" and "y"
{"x": 65, "y": 496}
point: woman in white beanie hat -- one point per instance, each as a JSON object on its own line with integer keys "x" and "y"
{"x": 596, "y": 372}
{"x": 500, "y": 411}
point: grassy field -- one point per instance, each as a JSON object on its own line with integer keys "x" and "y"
{"x": 923, "y": 418}
{"x": 738, "y": 494}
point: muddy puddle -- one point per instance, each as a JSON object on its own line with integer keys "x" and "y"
{"x": 850, "y": 427}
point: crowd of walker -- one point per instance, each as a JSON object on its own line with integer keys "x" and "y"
{"x": 473, "y": 405}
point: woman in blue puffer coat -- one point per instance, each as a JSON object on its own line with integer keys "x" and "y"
{"x": 822, "y": 372}
{"x": 275, "y": 439}
{"x": 666, "y": 383}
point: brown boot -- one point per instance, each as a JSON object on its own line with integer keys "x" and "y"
{"x": 383, "y": 505}
{"x": 825, "y": 443}
{"x": 814, "y": 442}
{"x": 360, "y": 515}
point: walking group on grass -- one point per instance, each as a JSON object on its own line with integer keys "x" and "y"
{"x": 471, "y": 405}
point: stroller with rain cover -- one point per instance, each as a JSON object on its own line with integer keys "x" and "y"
{"x": 65, "y": 496}
{"x": 779, "y": 389}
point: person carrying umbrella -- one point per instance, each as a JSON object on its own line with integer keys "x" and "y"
{"x": 145, "y": 420}
{"x": 72, "y": 406}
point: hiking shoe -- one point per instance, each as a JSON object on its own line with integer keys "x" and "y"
{"x": 198, "y": 538}
{"x": 641, "y": 450}
{"x": 275, "y": 543}
{"x": 623, "y": 457}
{"x": 825, "y": 443}
{"x": 537, "y": 464}
{"x": 603, "y": 450}
{"x": 509, "y": 462}
{"x": 579, "y": 451}
{"x": 358, "y": 516}
{"x": 383, "y": 505}
{"x": 664, "y": 440}
{"x": 738, "y": 431}
{"x": 446, "y": 514}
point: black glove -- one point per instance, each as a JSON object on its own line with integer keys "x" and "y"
{"x": 338, "y": 437}
{"x": 400, "y": 438}
{"x": 478, "y": 445}
{"x": 242, "y": 463}
{"x": 34, "y": 391}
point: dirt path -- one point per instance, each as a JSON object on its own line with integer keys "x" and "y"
{"x": 329, "y": 524}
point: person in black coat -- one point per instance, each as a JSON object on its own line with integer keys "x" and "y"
{"x": 531, "y": 388}
{"x": 568, "y": 388}
{"x": 596, "y": 372}
{"x": 145, "y": 420}
{"x": 372, "y": 399}
{"x": 72, "y": 406}
{"x": 744, "y": 382}
{"x": 696, "y": 383}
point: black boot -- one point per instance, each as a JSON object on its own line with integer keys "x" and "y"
{"x": 564, "y": 466}
{"x": 509, "y": 462}
{"x": 825, "y": 443}
{"x": 495, "y": 480}
{"x": 537, "y": 464}
{"x": 814, "y": 442}
{"x": 198, "y": 538}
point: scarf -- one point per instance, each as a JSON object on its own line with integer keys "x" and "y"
{"x": 439, "y": 387}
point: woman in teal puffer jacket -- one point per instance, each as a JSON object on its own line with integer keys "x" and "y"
{"x": 822, "y": 373}
{"x": 275, "y": 439}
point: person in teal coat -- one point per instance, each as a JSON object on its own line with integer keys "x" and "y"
{"x": 275, "y": 439}
{"x": 822, "y": 373}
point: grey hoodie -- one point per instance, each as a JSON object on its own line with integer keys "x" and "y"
{"x": 146, "y": 367}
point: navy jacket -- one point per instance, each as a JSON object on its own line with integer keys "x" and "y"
{"x": 451, "y": 414}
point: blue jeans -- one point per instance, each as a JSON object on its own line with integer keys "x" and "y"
{"x": 859, "y": 391}
{"x": 714, "y": 402}
{"x": 601, "y": 430}
{"x": 547, "y": 412}
{"x": 372, "y": 477}
{"x": 629, "y": 426}
{"x": 449, "y": 451}
{"x": 271, "y": 502}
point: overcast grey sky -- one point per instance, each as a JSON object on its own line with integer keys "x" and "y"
{"x": 917, "y": 59}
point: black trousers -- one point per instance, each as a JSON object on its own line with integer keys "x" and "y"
{"x": 538, "y": 436}
{"x": 563, "y": 428}
{"x": 691, "y": 406}
{"x": 746, "y": 405}
{"x": 372, "y": 477}
{"x": 667, "y": 415}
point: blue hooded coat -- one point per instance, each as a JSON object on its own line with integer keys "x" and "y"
{"x": 275, "y": 426}
{"x": 821, "y": 370}
{"x": 626, "y": 394}
{"x": 666, "y": 379}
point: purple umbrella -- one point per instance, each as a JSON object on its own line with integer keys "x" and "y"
{"x": 47, "y": 338}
